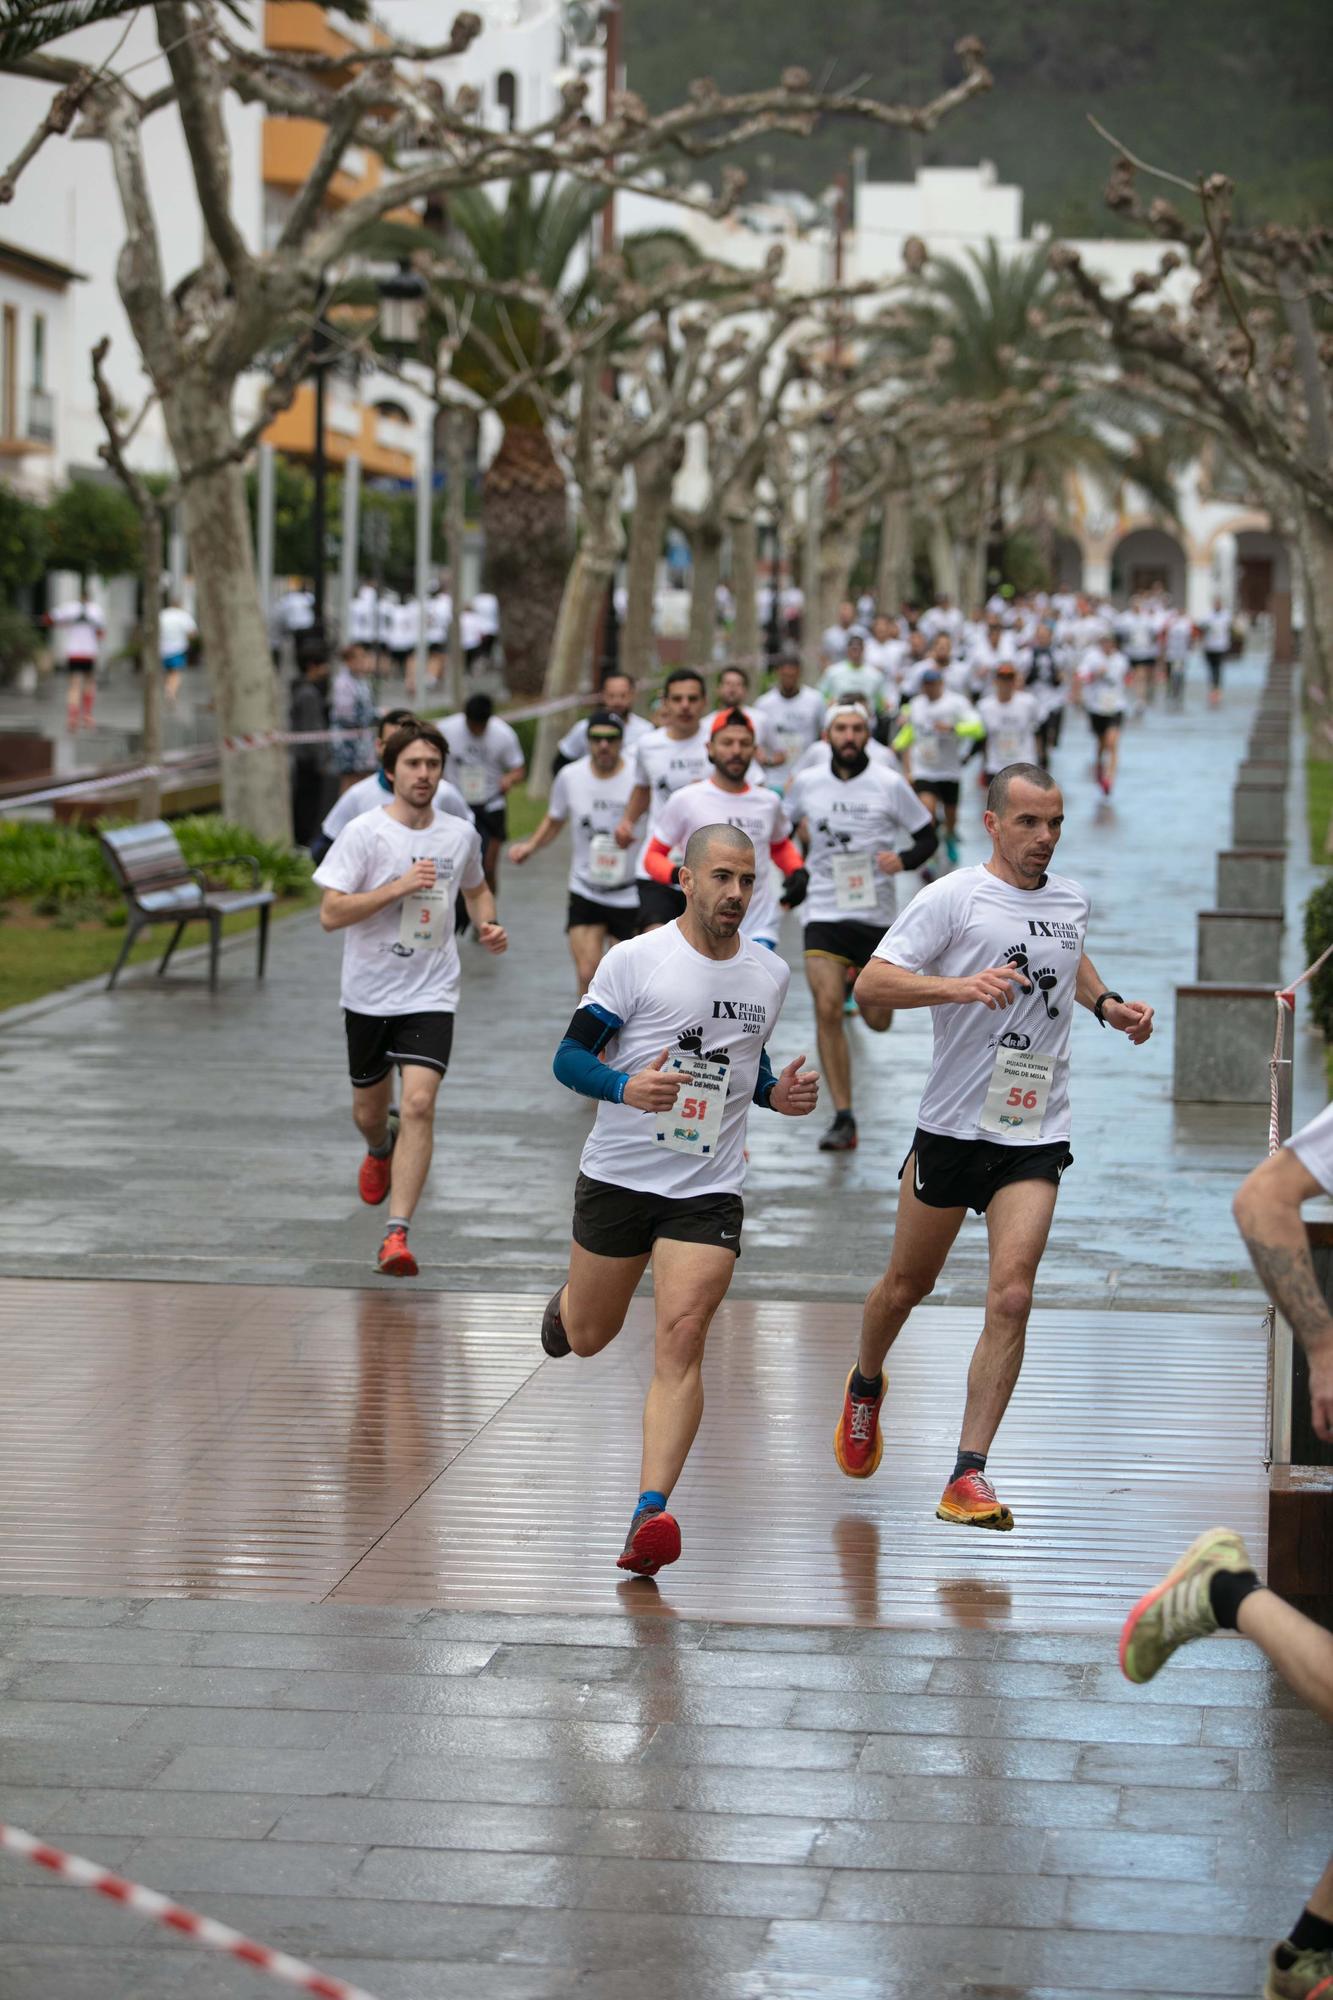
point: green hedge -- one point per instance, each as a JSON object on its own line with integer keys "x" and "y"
{"x": 62, "y": 871}
{"x": 1318, "y": 937}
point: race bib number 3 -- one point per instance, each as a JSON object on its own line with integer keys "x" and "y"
{"x": 422, "y": 923}
{"x": 1016, "y": 1099}
{"x": 694, "y": 1123}
{"x": 608, "y": 864}
{"x": 854, "y": 886}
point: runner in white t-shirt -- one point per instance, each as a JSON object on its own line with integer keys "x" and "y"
{"x": 591, "y": 794}
{"x": 940, "y": 728}
{"x": 377, "y": 790}
{"x": 860, "y": 825}
{"x": 672, "y": 755}
{"x": 389, "y": 881}
{"x": 485, "y": 761}
{"x": 175, "y": 630}
{"x": 726, "y": 797}
{"x": 616, "y": 695}
{"x": 793, "y": 718}
{"x": 679, "y": 1019}
{"x": 1177, "y": 639}
{"x": 1217, "y": 636}
{"x": 853, "y": 679}
{"x": 81, "y": 625}
{"x": 1011, "y": 716}
{"x": 1103, "y": 676}
{"x": 998, "y": 952}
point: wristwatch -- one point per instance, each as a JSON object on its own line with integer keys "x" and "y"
{"x": 1101, "y": 1001}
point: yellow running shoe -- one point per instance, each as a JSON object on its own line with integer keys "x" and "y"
{"x": 970, "y": 1502}
{"x": 1308, "y": 1977}
{"x": 1179, "y": 1608}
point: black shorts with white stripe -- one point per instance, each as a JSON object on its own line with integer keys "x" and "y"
{"x": 375, "y": 1042}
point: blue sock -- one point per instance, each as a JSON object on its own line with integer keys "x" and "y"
{"x": 649, "y": 1499}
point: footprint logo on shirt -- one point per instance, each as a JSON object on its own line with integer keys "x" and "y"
{"x": 1047, "y": 980}
{"x": 834, "y": 835}
{"x": 1017, "y": 961}
{"x": 693, "y": 1045}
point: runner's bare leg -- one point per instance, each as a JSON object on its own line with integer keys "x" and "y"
{"x": 922, "y": 1239}
{"x": 1018, "y": 1221}
{"x": 690, "y": 1281}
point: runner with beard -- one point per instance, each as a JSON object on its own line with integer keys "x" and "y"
{"x": 998, "y": 953}
{"x": 671, "y": 1038}
{"x": 672, "y": 755}
{"x": 860, "y": 826}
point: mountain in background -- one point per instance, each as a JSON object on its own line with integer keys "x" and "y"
{"x": 1225, "y": 86}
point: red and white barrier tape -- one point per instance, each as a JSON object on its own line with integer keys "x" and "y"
{"x": 1284, "y": 999}
{"x": 204, "y": 1931}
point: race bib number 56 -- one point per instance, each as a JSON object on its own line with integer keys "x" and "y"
{"x": 694, "y": 1123}
{"x": 1016, "y": 1099}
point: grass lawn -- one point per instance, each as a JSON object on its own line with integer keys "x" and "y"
{"x": 1319, "y": 807}
{"x": 39, "y": 955}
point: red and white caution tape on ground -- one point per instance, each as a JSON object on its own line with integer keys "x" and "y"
{"x": 204, "y": 1931}
{"x": 1285, "y": 1001}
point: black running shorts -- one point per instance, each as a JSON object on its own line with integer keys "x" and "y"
{"x": 1101, "y": 723}
{"x": 966, "y": 1173}
{"x": 492, "y": 824}
{"x": 375, "y": 1042}
{"x": 623, "y": 1222}
{"x": 853, "y": 943}
{"x": 943, "y": 789}
{"x": 659, "y": 904}
{"x": 622, "y": 923}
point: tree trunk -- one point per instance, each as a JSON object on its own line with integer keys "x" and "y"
{"x": 654, "y": 476}
{"x": 744, "y": 588}
{"x": 576, "y": 628}
{"x": 525, "y": 524}
{"x": 1314, "y": 536}
{"x": 838, "y": 547}
{"x": 706, "y": 552}
{"x": 943, "y": 559}
{"x": 150, "y": 661}
{"x": 893, "y": 581}
{"x": 256, "y": 785}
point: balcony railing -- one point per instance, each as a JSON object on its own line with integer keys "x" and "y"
{"x": 41, "y": 426}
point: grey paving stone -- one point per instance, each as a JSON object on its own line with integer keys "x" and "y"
{"x": 502, "y": 1627}
{"x": 1103, "y": 1722}
{"x": 972, "y": 1756}
{"x": 468, "y": 1736}
{"x": 46, "y": 1915}
{"x": 1144, "y": 1856}
{"x": 148, "y": 1685}
{"x": 280, "y": 1615}
{"x": 1281, "y": 1728}
{"x": 779, "y": 1749}
{"x": 1157, "y": 1764}
{"x": 909, "y": 1952}
{"x": 306, "y": 1773}
{"x": 929, "y": 1642}
{"x": 124, "y": 1766}
{"x": 1203, "y": 1909}
{"x": 565, "y": 1882}
{"x": 1022, "y": 1678}
{"x": 640, "y": 1940}
{"x": 55, "y": 1721}
{"x": 242, "y": 1728}
{"x": 341, "y": 1652}
{"x": 1116, "y": 1962}
{"x": 221, "y": 1815}
{"x": 910, "y": 1896}
{"x": 908, "y": 1715}
{"x": 110, "y": 1646}
{"x": 915, "y": 1844}
{"x": 17, "y": 1613}
{"x": 1302, "y": 1767}
{"x": 184, "y": 1867}
{"x": 324, "y": 1928}
{"x": 425, "y": 1979}
{"x": 1166, "y": 1809}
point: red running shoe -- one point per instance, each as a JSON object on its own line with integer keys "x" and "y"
{"x": 653, "y": 1541}
{"x": 372, "y": 1183}
{"x": 395, "y": 1259}
{"x": 971, "y": 1503}
{"x": 857, "y": 1444}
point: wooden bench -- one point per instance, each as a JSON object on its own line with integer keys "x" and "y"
{"x": 161, "y": 888}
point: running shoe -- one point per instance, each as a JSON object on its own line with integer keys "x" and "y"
{"x": 970, "y": 1502}
{"x": 1179, "y": 1608}
{"x": 1105, "y": 784}
{"x": 951, "y": 847}
{"x": 653, "y": 1541}
{"x": 857, "y": 1443}
{"x": 395, "y": 1259}
{"x": 1308, "y": 1977}
{"x": 372, "y": 1183}
{"x": 841, "y": 1136}
{"x": 554, "y": 1338}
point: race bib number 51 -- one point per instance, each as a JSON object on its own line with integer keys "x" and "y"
{"x": 694, "y": 1123}
{"x": 1016, "y": 1099}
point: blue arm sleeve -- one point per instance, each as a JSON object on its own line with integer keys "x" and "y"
{"x": 576, "y": 1064}
{"x": 765, "y": 1081}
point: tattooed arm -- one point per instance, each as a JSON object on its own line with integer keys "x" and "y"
{"x": 1268, "y": 1214}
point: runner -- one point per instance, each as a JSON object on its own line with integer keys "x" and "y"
{"x": 853, "y": 819}
{"x": 377, "y": 790}
{"x": 593, "y": 792}
{"x": 680, "y": 1018}
{"x": 1140, "y": 644}
{"x": 1046, "y": 680}
{"x": 176, "y": 630}
{"x": 485, "y": 761}
{"x": 82, "y": 623}
{"x": 793, "y": 718}
{"x": 1177, "y": 639}
{"x": 1102, "y": 675}
{"x": 352, "y": 709}
{"x": 1217, "y": 638}
{"x": 733, "y": 691}
{"x": 1010, "y": 716}
{"x": 672, "y": 755}
{"x": 941, "y": 727}
{"x": 389, "y": 881}
{"x": 616, "y": 697}
{"x": 998, "y": 952}
{"x": 852, "y": 679}
{"x": 727, "y": 798}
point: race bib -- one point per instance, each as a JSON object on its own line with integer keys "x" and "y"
{"x": 790, "y": 744}
{"x": 474, "y": 782}
{"x": 421, "y": 926}
{"x": 1005, "y": 746}
{"x": 608, "y": 864}
{"x": 854, "y": 885}
{"x": 1019, "y": 1087}
{"x": 694, "y": 1123}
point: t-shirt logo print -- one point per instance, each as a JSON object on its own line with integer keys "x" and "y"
{"x": 1045, "y": 979}
{"x": 832, "y": 834}
{"x": 693, "y": 1045}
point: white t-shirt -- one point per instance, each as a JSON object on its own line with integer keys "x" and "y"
{"x": 83, "y": 624}
{"x": 381, "y": 975}
{"x": 363, "y": 616}
{"x": 439, "y": 617}
{"x": 476, "y": 764}
{"x": 888, "y": 657}
{"x": 296, "y": 610}
{"x": 1313, "y": 1147}
{"x": 664, "y": 764}
{"x": 406, "y": 628}
{"x": 486, "y": 610}
{"x": 819, "y": 757}
{"x": 939, "y": 619}
{"x": 960, "y": 925}
{"x": 756, "y": 811}
{"x": 853, "y": 816}
{"x": 667, "y": 995}
{"x": 791, "y": 724}
{"x": 833, "y": 645}
{"x": 1179, "y": 636}
{"x": 175, "y": 629}
{"x": 1102, "y": 677}
{"x": 368, "y": 793}
{"x": 1011, "y": 729}
{"x": 1217, "y": 632}
{"x": 1140, "y": 637}
{"x": 574, "y": 743}
{"x": 845, "y": 682}
{"x": 595, "y": 805}
{"x": 935, "y": 746}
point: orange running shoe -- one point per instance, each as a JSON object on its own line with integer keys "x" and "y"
{"x": 395, "y": 1259}
{"x": 653, "y": 1541}
{"x": 857, "y": 1444}
{"x": 372, "y": 1183}
{"x": 971, "y": 1502}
